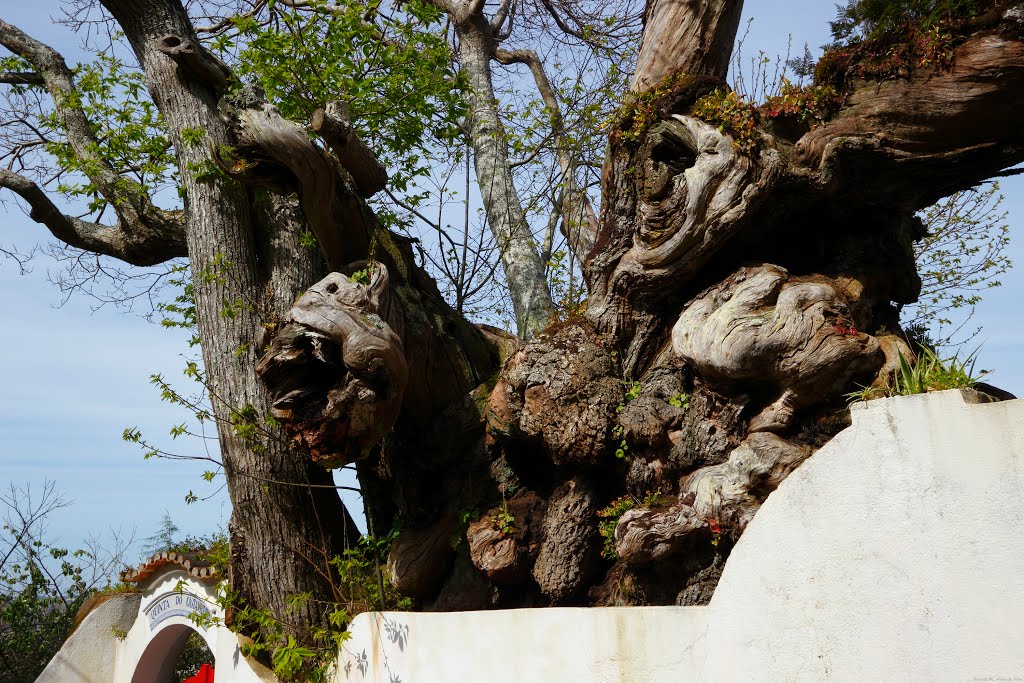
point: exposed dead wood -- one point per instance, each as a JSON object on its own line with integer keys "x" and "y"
{"x": 692, "y": 184}
{"x": 763, "y": 324}
{"x": 263, "y": 133}
{"x": 369, "y": 174}
{"x": 644, "y": 535}
{"x": 695, "y": 37}
{"x": 505, "y": 541}
{"x": 494, "y": 553}
{"x": 737, "y": 365}
{"x": 691, "y": 191}
{"x": 733, "y": 491}
{"x": 680, "y": 197}
{"x": 713, "y": 499}
{"x": 336, "y": 372}
{"x": 682, "y": 193}
{"x": 927, "y": 136}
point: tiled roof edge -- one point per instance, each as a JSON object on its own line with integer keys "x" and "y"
{"x": 201, "y": 570}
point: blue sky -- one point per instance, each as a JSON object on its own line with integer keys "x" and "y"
{"x": 72, "y": 379}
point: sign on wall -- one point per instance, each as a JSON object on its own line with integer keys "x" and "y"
{"x": 176, "y": 604}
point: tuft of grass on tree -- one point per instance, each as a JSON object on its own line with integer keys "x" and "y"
{"x": 928, "y": 373}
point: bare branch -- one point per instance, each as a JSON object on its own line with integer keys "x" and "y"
{"x": 140, "y": 248}
{"x": 503, "y": 13}
{"x": 368, "y": 173}
{"x": 560, "y": 22}
{"x": 229, "y": 22}
{"x": 593, "y": 28}
{"x": 21, "y": 78}
{"x": 579, "y": 218}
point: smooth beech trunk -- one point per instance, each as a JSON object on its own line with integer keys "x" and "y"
{"x": 505, "y": 216}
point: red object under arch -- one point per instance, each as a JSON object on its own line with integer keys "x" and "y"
{"x": 205, "y": 675}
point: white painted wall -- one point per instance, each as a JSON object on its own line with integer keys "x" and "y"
{"x": 650, "y": 644}
{"x": 87, "y": 656}
{"x": 894, "y": 553}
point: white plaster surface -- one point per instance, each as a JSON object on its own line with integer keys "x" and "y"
{"x": 87, "y": 656}
{"x": 609, "y": 645}
{"x": 896, "y": 552}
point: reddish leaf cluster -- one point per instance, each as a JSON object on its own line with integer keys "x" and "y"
{"x": 811, "y": 104}
{"x": 844, "y": 331}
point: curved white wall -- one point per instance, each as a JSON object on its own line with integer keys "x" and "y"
{"x": 88, "y": 655}
{"x": 896, "y": 552}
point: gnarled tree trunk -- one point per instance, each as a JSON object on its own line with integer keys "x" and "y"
{"x": 286, "y": 516}
{"x": 734, "y": 297}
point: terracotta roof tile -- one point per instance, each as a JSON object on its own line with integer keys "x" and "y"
{"x": 199, "y": 569}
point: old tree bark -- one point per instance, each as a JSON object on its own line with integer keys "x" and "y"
{"x": 735, "y": 297}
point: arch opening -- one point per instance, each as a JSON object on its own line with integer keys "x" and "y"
{"x": 174, "y": 654}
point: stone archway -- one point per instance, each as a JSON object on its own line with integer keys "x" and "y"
{"x": 178, "y": 598}
{"x": 136, "y": 637}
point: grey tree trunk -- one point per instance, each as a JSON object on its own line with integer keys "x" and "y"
{"x": 524, "y": 270}
{"x": 286, "y": 516}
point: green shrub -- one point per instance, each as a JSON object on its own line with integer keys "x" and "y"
{"x": 732, "y": 115}
{"x": 610, "y": 518}
{"x": 811, "y": 104}
{"x": 871, "y": 19}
